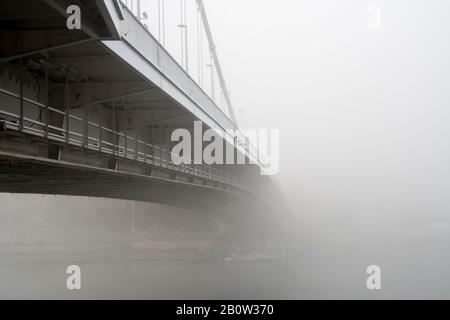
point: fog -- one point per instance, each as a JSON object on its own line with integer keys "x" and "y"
{"x": 365, "y": 147}
{"x": 363, "y": 112}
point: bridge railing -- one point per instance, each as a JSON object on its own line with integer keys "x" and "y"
{"x": 180, "y": 29}
{"x": 164, "y": 33}
{"x": 32, "y": 117}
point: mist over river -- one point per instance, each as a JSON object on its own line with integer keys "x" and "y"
{"x": 129, "y": 250}
{"x": 325, "y": 277}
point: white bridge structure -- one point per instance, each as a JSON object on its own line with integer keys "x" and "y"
{"x": 90, "y": 112}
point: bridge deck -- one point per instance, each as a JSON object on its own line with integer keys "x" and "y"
{"x": 102, "y": 100}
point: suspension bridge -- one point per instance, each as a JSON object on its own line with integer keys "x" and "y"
{"x": 90, "y": 112}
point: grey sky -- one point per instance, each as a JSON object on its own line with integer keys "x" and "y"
{"x": 364, "y": 113}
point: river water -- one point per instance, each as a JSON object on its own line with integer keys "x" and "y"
{"x": 319, "y": 277}
{"x": 152, "y": 252}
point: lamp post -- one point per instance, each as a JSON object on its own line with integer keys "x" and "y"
{"x": 184, "y": 36}
{"x": 184, "y": 47}
{"x": 213, "y": 91}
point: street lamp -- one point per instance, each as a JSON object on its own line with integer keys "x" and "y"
{"x": 184, "y": 56}
{"x": 213, "y": 93}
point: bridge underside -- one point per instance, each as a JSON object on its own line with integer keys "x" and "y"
{"x": 32, "y": 175}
